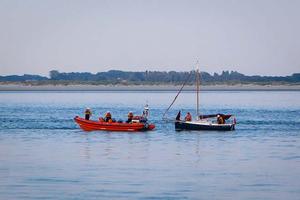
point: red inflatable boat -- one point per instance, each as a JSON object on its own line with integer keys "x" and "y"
{"x": 89, "y": 125}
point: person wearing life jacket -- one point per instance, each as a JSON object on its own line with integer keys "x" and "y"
{"x": 130, "y": 117}
{"x": 88, "y": 113}
{"x": 220, "y": 119}
{"x": 107, "y": 117}
{"x": 188, "y": 117}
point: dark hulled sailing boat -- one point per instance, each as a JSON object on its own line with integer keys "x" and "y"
{"x": 203, "y": 123}
{"x": 215, "y": 122}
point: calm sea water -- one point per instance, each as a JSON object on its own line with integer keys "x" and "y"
{"x": 44, "y": 155}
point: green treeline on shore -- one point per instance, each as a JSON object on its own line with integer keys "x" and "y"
{"x": 149, "y": 78}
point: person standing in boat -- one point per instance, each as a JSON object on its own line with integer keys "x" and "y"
{"x": 107, "y": 117}
{"x": 130, "y": 117}
{"x": 88, "y": 113}
{"x": 188, "y": 117}
{"x": 146, "y": 111}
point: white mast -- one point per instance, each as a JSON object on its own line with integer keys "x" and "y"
{"x": 198, "y": 87}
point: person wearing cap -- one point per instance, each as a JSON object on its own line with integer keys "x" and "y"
{"x": 220, "y": 119}
{"x": 146, "y": 111}
{"x": 88, "y": 113}
{"x": 107, "y": 117}
{"x": 130, "y": 117}
{"x": 188, "y": 117}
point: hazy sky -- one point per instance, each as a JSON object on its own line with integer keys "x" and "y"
{"x": 252, "y": 37}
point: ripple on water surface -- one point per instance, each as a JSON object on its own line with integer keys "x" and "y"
{"x": 44, "y": 155}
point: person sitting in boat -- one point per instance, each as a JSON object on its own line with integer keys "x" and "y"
{"x": 130, "y": 117}
{"x": 101, "y": 119}
{"x": 88, "y": 113}
{"x": 188, "y": 117}
{"x": 220, "y": 119}
{"x": 107, "y": 117}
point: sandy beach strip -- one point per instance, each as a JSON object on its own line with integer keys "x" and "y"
{"x": 239, "y": 87}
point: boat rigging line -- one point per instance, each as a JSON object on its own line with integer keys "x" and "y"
{"x": 164, "y": 118}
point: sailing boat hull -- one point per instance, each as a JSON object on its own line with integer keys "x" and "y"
{"x": 182, "y": 125}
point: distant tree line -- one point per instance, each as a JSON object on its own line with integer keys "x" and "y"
{"x": 25, "y": 77}
{"x": 149, "y": 77}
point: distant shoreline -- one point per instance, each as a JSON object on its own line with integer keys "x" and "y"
{"x": 237, "y": 87}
